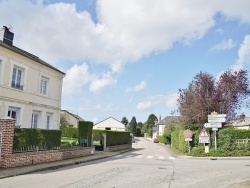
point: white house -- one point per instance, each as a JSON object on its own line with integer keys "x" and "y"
{"x": 72, "y": 119}
{"x": 30, "y": 88}
{"x": 110, "y": 124}
{"x": 242, "y": 122}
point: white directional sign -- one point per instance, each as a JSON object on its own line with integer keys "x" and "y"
{"x": 213, "y": 125}
{"x": 214, "y": 120}
{"x": 217, "y": 116}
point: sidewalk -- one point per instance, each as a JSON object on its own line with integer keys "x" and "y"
{"x": 8, "y": 172}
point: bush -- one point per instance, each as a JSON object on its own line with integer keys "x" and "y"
{"x": 25, "y": 138}
{"x": 85, "y": 131}
{"x": 71, "y": 132}
{"x": 113, "y": 137}
{"x": 162, "y": 139}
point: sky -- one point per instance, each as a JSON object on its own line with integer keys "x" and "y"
{"x": 125, "y": 58}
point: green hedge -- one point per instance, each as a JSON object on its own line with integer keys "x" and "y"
{"x": 71, "y": 132}
{"x": 162, "y": 139}
{"x": 27, "y": 139}
{"x": 113, "y": 137}
{"x": 178, "y": 140}
{"x": 85, "y": 131}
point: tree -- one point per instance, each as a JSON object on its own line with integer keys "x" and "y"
{"x": 125, "y": 121}
{"x": 138, "y": 129}
{"x": 206, "y": 94}
{"x": 132, "y": 125}
{"x": 148, "y": 125}
{"x": 63, "y": 121}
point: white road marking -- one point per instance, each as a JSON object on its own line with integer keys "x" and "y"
{"x": 150, "y": 157}
{"x": 139, "y": 156}
{"x": 171, "y": 157}
{"x": 160, "y": 157}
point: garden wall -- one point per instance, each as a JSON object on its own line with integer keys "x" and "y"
{"x": 30, "y": 158}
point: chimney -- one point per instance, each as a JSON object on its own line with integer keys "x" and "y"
{"x": 6, "y": 35}
{"x": 242, "y": 117}
{"x": 159, "y": 120}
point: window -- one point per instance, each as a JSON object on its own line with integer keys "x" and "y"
{"x": 34, "y": 120}
{"x": 44, "y": 86}
{"x": 14, "y": 113}
{"x": 17, "y": 78}
{"x": 48, "y": 120}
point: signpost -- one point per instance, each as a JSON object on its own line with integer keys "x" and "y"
{"x": 188, "y": 137}
{"x": 204, "y": 136}
{"x": 213, "y": 125}
{"x": 215, "y": 121}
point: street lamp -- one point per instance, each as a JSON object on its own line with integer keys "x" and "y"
{"x": 157, "y": 127}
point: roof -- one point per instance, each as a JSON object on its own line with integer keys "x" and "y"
{"x": 74, "y": 115}
{"x": 110, "y": 122}
{"x": 167, "y": 119}
{"x": 28, "y": 55}
{"x": 240, "y": 123}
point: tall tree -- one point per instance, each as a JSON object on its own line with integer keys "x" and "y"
{"x": 132, "y": 125}
{"x": 124, "y": 121}
{"x": 149, "y": 124}
{"x": 206, "y": 94}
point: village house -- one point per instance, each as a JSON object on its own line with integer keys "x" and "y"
{"x": 71, "y": 118}
{"x": 30, "y": 88}
{"x": 110, "y": 124}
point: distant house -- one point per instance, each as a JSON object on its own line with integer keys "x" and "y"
{"x": 162, "y": 124}
{"x": 242, "y": 122}
{"x": 110, "y": 124}
{"x": 72, "y": 119}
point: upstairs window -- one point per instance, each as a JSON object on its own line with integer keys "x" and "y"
{"x": 17, "y": 78}
{"x": 44, "y": 86}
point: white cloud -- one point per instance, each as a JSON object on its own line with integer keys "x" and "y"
{"x": 142, "y": 85}
{"x": 223, "y": 45}
{"x": 98, "y": 84}
{"x": 243, "y": 54}
{"x": 75, "y": 78}
{"x": 169, "y": 100}
{"x": 125, "y": 30}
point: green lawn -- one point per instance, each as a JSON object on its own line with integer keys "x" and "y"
{"x": 68, "y": 139}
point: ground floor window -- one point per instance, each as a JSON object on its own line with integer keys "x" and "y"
{"x": 34, "y": 120}
{"x": 48, "y": 120}
{"x": 14, "y": 113}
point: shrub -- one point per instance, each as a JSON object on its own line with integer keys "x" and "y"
{"x": 162, "y": 139}
{"x": 85, "y": 131}
{"x": 71, "y": 132}
{"x": 26, "y": 138}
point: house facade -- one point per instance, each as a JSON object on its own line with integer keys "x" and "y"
{"x": 71, "y": 118}
{"x": 110, "y": 124}
{"x": 242, "y": 122}
{"x": 30, "y": 88}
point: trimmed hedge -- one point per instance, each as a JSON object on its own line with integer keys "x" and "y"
{"x": 26, "y": 138}
{"x": 162, "y": 139}
{"x": 85, "y": 131}
{"x": 113, "y": 137}
{"x": 71, "y": 132}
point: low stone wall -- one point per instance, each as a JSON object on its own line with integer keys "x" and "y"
{"x": 118, "y": 147}
{"x": 29, "y": 158}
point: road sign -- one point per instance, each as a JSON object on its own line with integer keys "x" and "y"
{"x": 204, "y": 136}
{"x": 214, "y": 129}
{"x": 213, "y": 125}
{"x": 217, "y": 116}
{"x": 214, "y": 120}
{"x": 188, "y": 139}
{"x": 188, "y": 134}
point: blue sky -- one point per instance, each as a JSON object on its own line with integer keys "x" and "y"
{"x": 130, "y": 58}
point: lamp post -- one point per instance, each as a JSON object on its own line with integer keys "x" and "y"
{"x": 157, "y": 127}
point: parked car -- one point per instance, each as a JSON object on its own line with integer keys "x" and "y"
{"x": 156, "y": 140}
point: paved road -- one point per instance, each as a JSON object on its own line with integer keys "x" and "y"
{"x": 149, "y": 165}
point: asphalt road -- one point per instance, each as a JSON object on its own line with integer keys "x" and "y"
{"x": 149, "y": 165}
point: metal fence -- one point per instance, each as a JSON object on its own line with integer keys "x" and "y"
{"x": 242, "y": 141}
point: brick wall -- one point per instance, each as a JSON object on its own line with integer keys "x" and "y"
{"x": 7, "y": 132}
{"x": 119, "y": 147}
{"x": 30, "y": 158}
